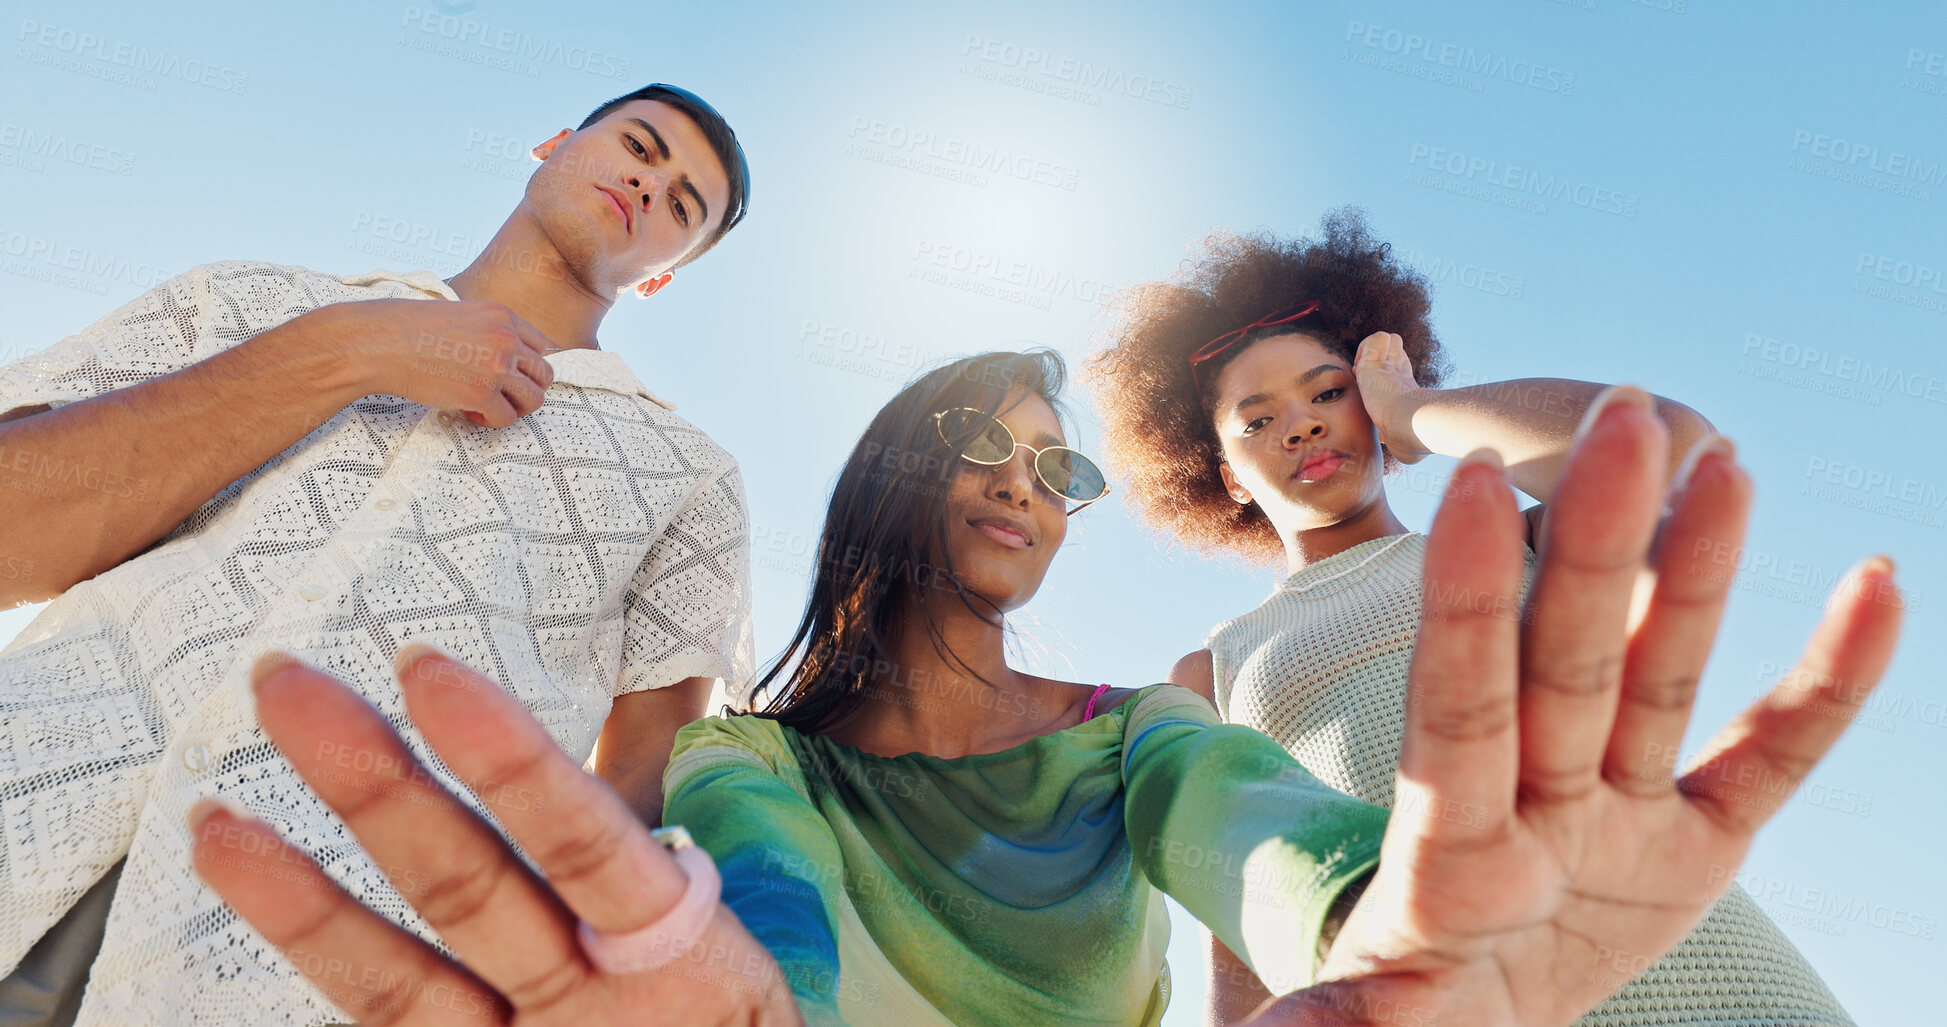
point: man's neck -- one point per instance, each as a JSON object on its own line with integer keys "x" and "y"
{"x": 521, "y": 270}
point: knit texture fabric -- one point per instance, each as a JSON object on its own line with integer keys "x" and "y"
{"x": 595, "y": 547}
{"x": 1321, "y": 667}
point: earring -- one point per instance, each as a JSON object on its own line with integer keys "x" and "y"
{"x": 654, "y": 285}
{"x": 542, "y": 151}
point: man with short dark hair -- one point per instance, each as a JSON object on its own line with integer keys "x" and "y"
{"x": 254, "y": 457}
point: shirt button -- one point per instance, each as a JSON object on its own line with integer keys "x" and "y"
{"x": 196, "y": 757}
{"x": 312, "y": 593}
{"x": 446, "y": 419}
{"x": 385, "y": 504}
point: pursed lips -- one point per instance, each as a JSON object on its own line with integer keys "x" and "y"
{"x": 1319, "y": 458}
{"x": 628, "y": 216}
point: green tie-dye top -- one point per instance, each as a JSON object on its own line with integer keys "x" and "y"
{"x": 1019, "y": 886}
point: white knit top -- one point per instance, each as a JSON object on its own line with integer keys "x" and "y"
{"x": 596, "y": 547}
{"x": 1321, "y": 665}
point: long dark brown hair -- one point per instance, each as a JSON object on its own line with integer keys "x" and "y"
{"x": 884, "y": 541}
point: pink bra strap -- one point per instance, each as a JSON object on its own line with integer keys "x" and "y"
{"x": 1088, "y": 712}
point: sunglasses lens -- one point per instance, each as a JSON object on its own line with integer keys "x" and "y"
{"x": 1070, "y": 474}
{"x": 991, "y": 443}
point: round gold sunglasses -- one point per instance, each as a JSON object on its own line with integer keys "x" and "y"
{"x": 1063, "y": 471}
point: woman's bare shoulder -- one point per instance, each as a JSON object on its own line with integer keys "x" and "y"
{"x": 1195, "y": 672}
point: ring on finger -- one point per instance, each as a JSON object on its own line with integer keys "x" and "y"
{"x": 669, "y": 937}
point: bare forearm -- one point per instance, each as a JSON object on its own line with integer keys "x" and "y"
{"x": 636, "y": 740}
{"x": 639, "y": 783}
{"x": 85, "y": 486}
{"x": 1530, "y": 422}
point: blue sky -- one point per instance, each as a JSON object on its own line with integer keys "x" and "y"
{"x": 1737, "y": 207}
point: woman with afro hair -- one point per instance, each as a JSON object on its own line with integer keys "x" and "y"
{"x": 1254, "y": 404}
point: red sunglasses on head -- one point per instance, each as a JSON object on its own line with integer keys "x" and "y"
{"x": 1225, "y": 341}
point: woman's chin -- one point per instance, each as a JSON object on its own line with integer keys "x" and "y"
{"x": 1004, "y": 596}
{"x": 1309, "y": 518}
{"x": 1329, "y": 503}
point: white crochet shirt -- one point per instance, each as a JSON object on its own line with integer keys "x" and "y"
{"x": 596, "y": 547}
{"x": 1321, "y": 667}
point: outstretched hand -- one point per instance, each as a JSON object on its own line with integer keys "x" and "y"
{"x": 1538, "y": 830}
{"x": 513, "y": 931}
{"x": 1540, "y": 834}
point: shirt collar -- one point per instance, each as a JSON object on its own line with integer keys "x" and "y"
{"x": 424, "y": 281}
{"x": 588, "y": 368}
{"x": 601, "y": 369}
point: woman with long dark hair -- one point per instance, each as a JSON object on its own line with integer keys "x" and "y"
{"x": 924, "y": 833}
{"x": 917, "y": 833}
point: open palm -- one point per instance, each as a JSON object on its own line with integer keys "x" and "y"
{"x": 1538, "y": 836}
{"x": 512, "y": 930}
{"x": 1542, "y": 850}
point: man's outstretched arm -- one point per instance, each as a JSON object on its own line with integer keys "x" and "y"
{"x": 88, "y": 484}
